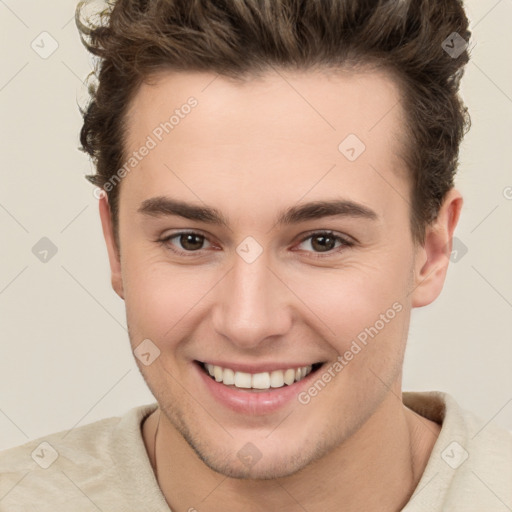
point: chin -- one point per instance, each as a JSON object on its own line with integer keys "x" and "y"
{"x": 277, "y": 459}
{"x": 278, "y": 467}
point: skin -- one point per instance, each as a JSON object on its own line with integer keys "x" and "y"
{"x": 251, "y": 150}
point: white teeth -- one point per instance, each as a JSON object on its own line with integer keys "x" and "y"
{"x": 289, "y": 376}
{"x": 243, "y": 380}
{"x": 276, "y": 379}
{"x": 218, "y": 373}
{"x": 263, "y": 380}
{"x": 228, "y": 377}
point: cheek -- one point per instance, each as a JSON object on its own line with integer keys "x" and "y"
{"x": 350, "y": 299}
{"x": 160, "y": 298}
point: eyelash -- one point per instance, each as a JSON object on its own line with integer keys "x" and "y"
{"x": 345, "y": 243}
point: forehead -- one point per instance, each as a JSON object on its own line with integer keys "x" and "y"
{"x": 327, "y": 103}
{"x": 282, "y": 128}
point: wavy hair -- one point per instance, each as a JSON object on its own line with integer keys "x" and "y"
{"x": 135, "y": 39}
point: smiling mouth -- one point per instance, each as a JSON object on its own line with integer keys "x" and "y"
{"x": 258, "y": 381}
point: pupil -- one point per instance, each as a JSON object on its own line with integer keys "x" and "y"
{"x": 326, "y": 243}
{"x": 187, "y": 241}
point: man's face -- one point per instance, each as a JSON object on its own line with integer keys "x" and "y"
{"x": 257, "y": 295}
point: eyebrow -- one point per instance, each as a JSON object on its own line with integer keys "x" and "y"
{"x": 161, "y": 206}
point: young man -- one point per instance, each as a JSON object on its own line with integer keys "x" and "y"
{"x": 279, "y": 197}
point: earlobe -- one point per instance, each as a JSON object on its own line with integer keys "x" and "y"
{"x": 433, "y": 258}
{"x": 112, "y": 249}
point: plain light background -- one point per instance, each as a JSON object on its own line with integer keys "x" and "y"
{"x": 65, "y": 358}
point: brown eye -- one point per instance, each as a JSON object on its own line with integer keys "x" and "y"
{"x": 191, "y": 241}
{"x": 325, "y": 242}
{"x": 184, "y": 243}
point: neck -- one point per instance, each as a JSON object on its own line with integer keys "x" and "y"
{"x": 386, "y": 456}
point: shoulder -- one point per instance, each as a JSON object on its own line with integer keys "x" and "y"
{"x": 71, "y": 464}
{"x": 470, "y": 467}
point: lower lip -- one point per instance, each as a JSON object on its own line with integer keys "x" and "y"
{"x": 253, "y": 402}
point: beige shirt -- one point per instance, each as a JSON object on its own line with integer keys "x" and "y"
{"x": 104, "y": 466}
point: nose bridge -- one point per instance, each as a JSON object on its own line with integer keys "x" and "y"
{"x": 251, "y": 306}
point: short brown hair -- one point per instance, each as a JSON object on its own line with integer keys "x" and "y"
{"x": 136, "y": 39}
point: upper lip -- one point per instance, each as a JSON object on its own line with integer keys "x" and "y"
{"x": 258, "y": 368}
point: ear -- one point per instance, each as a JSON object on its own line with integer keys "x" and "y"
{"x": 112, "y": 249}
{"x": 432, "y": 259}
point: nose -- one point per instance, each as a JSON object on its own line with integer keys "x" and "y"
{"x": 252, "y": 304}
